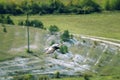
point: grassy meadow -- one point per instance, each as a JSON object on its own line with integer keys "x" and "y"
{"x": 106, "y": 24}
{"x": 14, "y": 42}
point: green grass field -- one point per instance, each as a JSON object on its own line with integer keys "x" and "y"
{"x": 14, "y": 42}
{"x": 91, "y": 78}
{"x": 106, "y": 24}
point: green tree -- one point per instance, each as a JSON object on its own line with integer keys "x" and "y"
{"x": 37, "y": 23}
{"x": 57, "y": 6}
{"x": 9, "y": 20}
{"x": 53, "y": 29}
{"x": 107, "y": 5}
{"x": 90, "y": 6}
{"x": 21, "y": 23}
{"x": 4, "y": 29}
{"x": 57, "y": 74}
{"x": 63, "y": 49}
{"x": 65, "y": 36}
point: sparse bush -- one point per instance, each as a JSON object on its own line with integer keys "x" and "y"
{"x": 65, "y": 36}
{"x": 86, "y": 77}
{"x": 63, "y": 49}
{"x": 55, "y": 56}
{"x": 33, "y": 23}
{"x": 43, "y": 77}
{"x": 57, "y": 74}
{"x": 2, "y": 19}
{"x": 53, "y": 29}
{"x": 21, "y": 23}
{"x": 4, "y": 29}
{"x": 37, "y": 23}
{"x": 90, "y": 6}
{"x": 9, "y": 20}
{"x": 112, "y": 5}
{"x": 53, "y": 42}
{"x": 6, "y": 20}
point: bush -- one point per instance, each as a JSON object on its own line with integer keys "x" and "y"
{"x": 53, "y": 29}
{"x": 2, "y": 19}
{"x": 56, "y": 6}
{"x": 86, "y": 77}
{"x": 9, "y": 20}
{"x": 6, "y": 20}
{"x": 4, "y": 29}
{"x": 65, "y": 36}
{"x": 57, "y": 74}
{"x": 21, "y": 23}
{"x": 33, "y": 23}
{"x": 90, "y": 6}
{"x": 37, "y": 23}
{"x": 63, "y": 49}
{"x": 112, "y": 5}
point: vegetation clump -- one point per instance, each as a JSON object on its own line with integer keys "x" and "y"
{"x": 65, "y": 36}
{"x": 57, "y": 74}
{"x": 6, "y": 19}
{"x": 63, "y": 49}
{"x": 33, "y": 23}
{"x": 53, "y": 29}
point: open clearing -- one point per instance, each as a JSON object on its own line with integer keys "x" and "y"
{"x": 106, "y": 24}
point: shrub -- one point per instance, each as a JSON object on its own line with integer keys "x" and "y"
{"x": 43, "y": 77}
{"x": 33, "y": 23}
{"x": 2, "y": 18}
{"x": 53, "y": 29}
{"x": 4, "y": 29}
{"x": 65, "y": 36}
{"x": 90, "y": 6}
{"x": 107, "y": 5}
{"x": 56, "y": 6}
{"x": 21, "y": 23}
{"x": 57, "y": 74}
{"x": 6, "y": 20}
{"x": 37, "y": 23}
{"x": 112, "y": 5}
{"x": 9, "y": 20}
{"x": 53, "y": 42}
{"x": 86, "y": 77}
{"x": 63, "y": 49}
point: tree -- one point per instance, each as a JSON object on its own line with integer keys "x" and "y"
{"x": 37, "y": 23}
{"x": 63, "y": 49}
{"x": 4, "y": 29}
{"x": 53, "y": 29}
{"x": 57, "y": 6}
{"x": 107, "y": 5}
{"x": 9, "y": 20}
{"x": 65, "y": 36}
{"x": 21, "y": 23}
{"x": 90, "y": 6}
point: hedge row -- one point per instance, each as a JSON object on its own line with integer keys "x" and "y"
{"x": 53, "y": 7}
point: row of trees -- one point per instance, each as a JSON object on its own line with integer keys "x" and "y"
{"x": 112, "y": 4}
{"x": 55, "y": 6}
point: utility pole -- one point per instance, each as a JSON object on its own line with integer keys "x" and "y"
{"x": 27, "y": 11}
{"x": 28, "y": 35}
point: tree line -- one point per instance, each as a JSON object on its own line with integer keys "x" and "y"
{"x": 57, "y": 7}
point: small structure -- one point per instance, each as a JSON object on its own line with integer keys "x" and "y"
{"x": 52, "y": 48}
